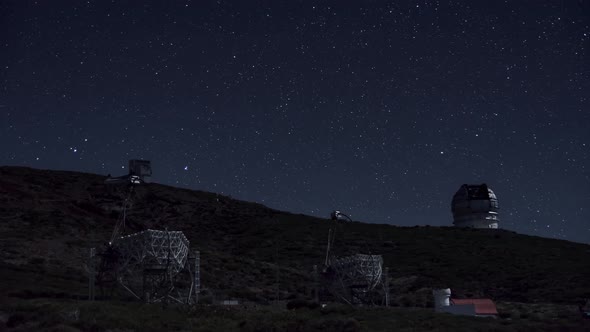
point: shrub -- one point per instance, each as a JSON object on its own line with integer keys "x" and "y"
{"x": 15, "y": 320}
{"x": 63, "y": 328}
{"x": 37, "y": 260}
{"x": 300, "y": 303}
{"x": 405, "y": 301}
{"x": 337, "y": 308}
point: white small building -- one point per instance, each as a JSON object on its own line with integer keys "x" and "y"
{"x": 468, "y": 307}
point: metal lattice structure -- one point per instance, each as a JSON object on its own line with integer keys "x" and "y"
{"x": 360, "y": 271}
{"x": 154, "y": 248}
{"x": 154, "y": 266}
{"x": 354, "y": 279}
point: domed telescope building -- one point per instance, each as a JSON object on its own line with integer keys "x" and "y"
{"x": 475, "y": 206}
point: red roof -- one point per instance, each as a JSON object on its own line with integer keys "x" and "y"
{"x": 482, "y": 306}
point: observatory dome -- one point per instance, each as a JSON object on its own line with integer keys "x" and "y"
{"x": 475, "y": 206}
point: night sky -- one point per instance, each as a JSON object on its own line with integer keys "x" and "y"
{"x": 381, "y": 109}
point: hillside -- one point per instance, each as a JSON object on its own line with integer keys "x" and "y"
{"x": 49, "y": 219}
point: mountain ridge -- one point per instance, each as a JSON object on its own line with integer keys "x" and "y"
{"x": 50, "y": 218}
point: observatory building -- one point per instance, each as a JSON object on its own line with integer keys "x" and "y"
{"x": 475, "y": 206}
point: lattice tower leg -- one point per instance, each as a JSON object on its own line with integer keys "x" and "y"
{"x": 386, "y": 286}
{"x": 197, "y": 280}
{"x": 91, "y": 274}
{"x": 315, "y": 283}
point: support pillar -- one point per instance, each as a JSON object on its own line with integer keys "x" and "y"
{"x": 91, "y": 274}
{"x": 386, "y": 286}
{"x": 197, "y": 280}
{"x": 315, "y": 283}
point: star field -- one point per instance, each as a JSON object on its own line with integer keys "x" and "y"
{"x": 381, "y": 109}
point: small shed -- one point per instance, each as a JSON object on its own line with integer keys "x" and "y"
{"x": 483, "y": 307}
{"x": 470, "y": 307}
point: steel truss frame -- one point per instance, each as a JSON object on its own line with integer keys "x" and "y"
{"x": 153, "y": 266}
{"x": 356, "y": 279}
